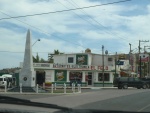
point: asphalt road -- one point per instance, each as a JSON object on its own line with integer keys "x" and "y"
{"x": 139, "y": 102}
{"x": 101, "y": 99}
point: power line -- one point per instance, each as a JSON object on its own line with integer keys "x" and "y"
{"x": 43, "y": 31}
{"x": 66, "y": 10}
{"x": 109, "y": 32}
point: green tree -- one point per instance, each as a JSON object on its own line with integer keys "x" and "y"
{"x": 56, "y": 52}
{"x": 42, "y": 60}
{"x": 50, "y": 58}
{"x": 37, "y": 59}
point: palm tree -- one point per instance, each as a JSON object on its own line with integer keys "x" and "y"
{"x": 37, "y": 59}
{"x": 50, "y": 56}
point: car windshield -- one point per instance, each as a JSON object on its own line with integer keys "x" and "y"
{"x": 75, "y": 54}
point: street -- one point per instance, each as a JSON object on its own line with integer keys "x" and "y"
{"x": 101, "y": 99}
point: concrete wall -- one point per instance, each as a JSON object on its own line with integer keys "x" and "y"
{"x": 97, "y": 60}
{"x": 93, "y": 59}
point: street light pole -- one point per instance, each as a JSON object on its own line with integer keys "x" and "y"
{"x": 103, "y": 63}
{"x": 36, "y": 41}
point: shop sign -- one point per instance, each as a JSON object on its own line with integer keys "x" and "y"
{"x": 144, "y": 57}
{"x": 82, "y": 59}
{"x": 60, "y": 75}
{"x": 71, "y": 66}
{"x": 121, "y": 56}
{"x": 92, "y": 67}
{"x": 41, "y": 65}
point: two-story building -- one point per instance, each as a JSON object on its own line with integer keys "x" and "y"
{"x": 85, "y": 67}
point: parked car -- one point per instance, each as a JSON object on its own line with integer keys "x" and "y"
{"x": 3, "y": 81}
{"x": 125, "y": 82}
{"x": 147, "y": 80}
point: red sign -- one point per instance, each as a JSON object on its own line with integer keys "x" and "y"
{"x": 92, "y": 67}
{"x": 144, "y": 57}
{"x": 101, "y": 67}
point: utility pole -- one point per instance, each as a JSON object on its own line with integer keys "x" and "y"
{"x": 103, "y": 63}
{"x": 145, "y": 49}
{"x": 140, "y": 55}
{"x": 130, "y": 57}
{"x": 130, "y": 47}
{"x": 147, "y": 65}
{"x": 115, "y": 63}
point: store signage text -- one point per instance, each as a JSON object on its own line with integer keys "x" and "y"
{"x": 80, "y": 67}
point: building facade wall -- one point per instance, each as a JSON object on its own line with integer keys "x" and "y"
{"x": 87, "y": 64}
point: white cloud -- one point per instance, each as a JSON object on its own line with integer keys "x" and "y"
{"x": 115, "y": 26}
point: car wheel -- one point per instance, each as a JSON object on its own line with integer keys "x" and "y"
{"x": 144, "y": 86}
{"x": 138, "y": 87}
{"x": 125, "y": 86}
{"x": 148, "y": 86}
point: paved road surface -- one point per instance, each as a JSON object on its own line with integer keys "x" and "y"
{"x": 108, "y": 99}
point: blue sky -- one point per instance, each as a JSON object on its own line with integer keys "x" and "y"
{"x": 114, "y": 26}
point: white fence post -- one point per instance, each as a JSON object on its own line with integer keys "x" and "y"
{"x": 37, "y": 88}
{"x": 43, "y": 85}
{"x": 52, "y": 88}
{"x": 64, "y": 88}
{"x": 55, "y": 86}
{"x": 79, "y": 88}
{"x": 72, "y": 86}
{"x": 6, "y": 87}
{"x": 20, "y": 87}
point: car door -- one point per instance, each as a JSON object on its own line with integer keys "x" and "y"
{"x": 138, "y": 82}
{"x": 131, "y": 82}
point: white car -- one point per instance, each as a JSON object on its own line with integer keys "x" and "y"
{"x": 3, "y": 81}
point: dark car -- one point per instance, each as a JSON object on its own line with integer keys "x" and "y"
{"x": 146, "y": 80}
{"x": 125, "y": 82}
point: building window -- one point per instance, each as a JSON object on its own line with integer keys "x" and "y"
{"x": 75, "y": 76}
{"x": 109, "y": 59}
{"x": 70, "y": 59}
{"x": 106, "y": 77}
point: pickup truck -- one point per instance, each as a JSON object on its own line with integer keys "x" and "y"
{"x": 125, "y": 82}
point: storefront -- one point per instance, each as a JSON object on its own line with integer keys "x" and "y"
{"x": 84, "y": 77}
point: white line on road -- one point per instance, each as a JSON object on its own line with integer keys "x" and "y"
{"x": 144, "y": 108}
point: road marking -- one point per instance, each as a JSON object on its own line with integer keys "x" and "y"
{"x": 144, "y": 108}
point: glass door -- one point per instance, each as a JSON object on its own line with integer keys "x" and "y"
{"x": 89, "y": 78}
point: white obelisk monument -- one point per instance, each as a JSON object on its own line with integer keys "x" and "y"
{"x": 27, "y": 74}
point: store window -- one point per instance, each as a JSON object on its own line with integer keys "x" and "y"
{"x": 75, "y": 76}
{"x": 106, "y": 77}
{"x": 70, "y": 59}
